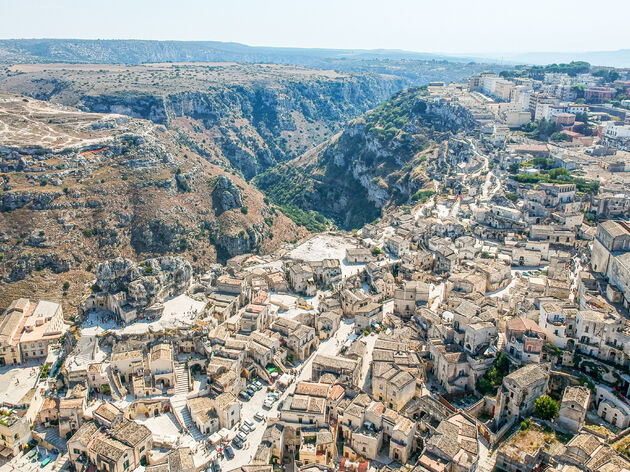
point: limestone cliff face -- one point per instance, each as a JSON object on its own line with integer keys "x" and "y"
{"x": 254, "y": 127}
{"x": 248, "y": 116}
{"x": 145, "y": 282}
{"x": 132, "y": 189}
{"x": 379, "y": 160}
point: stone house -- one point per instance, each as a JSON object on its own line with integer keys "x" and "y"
{"x": 412, "y": 294}
{"x": 162, "y": 365}
{"x": 203, "y": 414}
{"x": 359, "y": 255}
{"x": 392, "y": 385}
{"x": 611, "y": 407}
{"x": 327, "y": 323}
{"x": 303, "y": 409}
{"x": 573, "y": 408}
{"x": 524, "y": 340}
{"x": 454, "y": 446}
{"x": 519, "y": 391}
{"x": 368, "y": 314}
{"x": 302, "y": 280}
{"x": 345, "y": 370}
{"x": 397, "y": 245}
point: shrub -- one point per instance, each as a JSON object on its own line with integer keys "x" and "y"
{"x": 511, "y": 196}
{"x": 244, "y": 210}
{"x": 546, "y": 407}
{"x": 422, "y": 195}
{"x": 66, "y": 285}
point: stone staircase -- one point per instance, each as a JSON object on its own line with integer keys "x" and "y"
{"x": 182, "y": 380}
{"x": 178, "y": 401}
{"x": 501, "y": 341}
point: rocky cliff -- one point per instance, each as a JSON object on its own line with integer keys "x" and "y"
{"x": 77, "y": 188}
{"x": 249, "y": 116}
{"x": 379, "y": 160}
{"x": 145, "y": 282}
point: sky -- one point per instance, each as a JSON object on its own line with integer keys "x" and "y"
{"x": 437, "y": 26}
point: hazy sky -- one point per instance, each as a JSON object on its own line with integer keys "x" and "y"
{"x": 450, "y": 26}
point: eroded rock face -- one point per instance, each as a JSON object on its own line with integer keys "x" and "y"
{"x": 146, "y": 282}
{"x": 226, "y": 196}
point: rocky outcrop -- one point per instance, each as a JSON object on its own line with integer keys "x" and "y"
{"x": 27, "y": 264}
{"x": 35, "y": 201}
{"x": 149, "y": 107}
{"x": 147, "y": 282}
{"x": 226, "y": 196}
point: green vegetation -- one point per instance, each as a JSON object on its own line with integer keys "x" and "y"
{"x": 422, "y": 195}
{"x": 44, "y": 370}
{"x": 559, "y": 136}
{"x": 609, "y": 75}
{"x": 376, "y": 251}
{"x": 388, "y": 120}
{"x": 87, "y": 232}
{"x": 310, "y": 219}
{"x": 560, "y": 177}
{"x": 546, "y": 407}
{"x": 538, "y": 72}
{"x": 511, "y": 197}
{"x": 490, "y": 382}
{"x": 525, "y": 425}
{"x": 540, "y": 130}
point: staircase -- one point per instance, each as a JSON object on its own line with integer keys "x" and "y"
{"x": 500, "y": 342}
{"x": 115, "y": 385}
{"x": 278, "y": 364}
{"x": 190, "y": 425}
{"x": 182, "y": 380}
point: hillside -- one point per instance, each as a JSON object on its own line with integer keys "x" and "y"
{"x": 250, "y": 115}
{"x": 381, "y": 159}
{"x": 23, "y": 51}
{"x": 80, "y": 187}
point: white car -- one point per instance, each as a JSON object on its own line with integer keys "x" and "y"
{"x": 268, "y": 403}
{"x": 250, "y": 424}
{"x": 259, "y": 416}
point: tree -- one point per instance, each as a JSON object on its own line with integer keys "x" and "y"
{"x": 546, "y": 407}
{"x": 559, "y": 136}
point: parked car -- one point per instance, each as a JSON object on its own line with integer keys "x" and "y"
{"x": 241, "y": 435}
{"x": 215, "y": 466}
{"x": 258, "y": 384}
{"x": 250, "y": 391}
{"x": 255, "y": 386}
{"x": 267, "y": 404}
{"x": 229, "y": 452}
{"x": 250, "y": 424}
{"x": 244, "y": 395}
{"x": 244, "y": 428}
{"x": 259, "y": 416}
{"x": 237, "y": 443}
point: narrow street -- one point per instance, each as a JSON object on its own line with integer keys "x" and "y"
{"x": 244, "y": 456}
